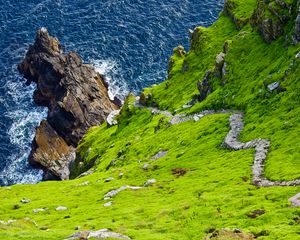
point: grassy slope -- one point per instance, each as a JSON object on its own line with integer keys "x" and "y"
{"x": 216, "y": 191}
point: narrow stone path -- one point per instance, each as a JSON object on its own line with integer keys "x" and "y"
{"x": 232, "y": 142}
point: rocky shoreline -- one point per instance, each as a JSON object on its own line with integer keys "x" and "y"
{"x": 76, "y": 97}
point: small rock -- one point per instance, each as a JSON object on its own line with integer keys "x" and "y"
{"x": 39, "y": 210}
{"x": 185, "y": 106}
{"x": 295, "y": 200}
{"x": 111, "y": 164}
{"x": 196, "y": 118}
{"x": 77, "y": 228}
{"x": 108, "y": 204}
{"x": 83, "y": 184}
{"x": 298, "y": 55}
{"x": 146, "y": 166}
{"x": 220, "y": 58}
{"x": 273, "y": 86}
{"x": 237, "y": 230}
{"x": 61, "y": 208}
{"x": 24, "y": 200}
{"x": 113, "y": 193}
{"x": 106, "y": 198}
{"x": 149, "y": 182}
{"x": 158, "y": 155}
{"x": 109, "y": 179}
{"x": 179, "y": 51}
{"x": 121, "y": 175}
{"x": 86, "y": 173}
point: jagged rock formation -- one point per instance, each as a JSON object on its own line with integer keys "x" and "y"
{"x": 270, "y": 18}
{"x": 205, "y": 85}
{"x": 75, "y": 94}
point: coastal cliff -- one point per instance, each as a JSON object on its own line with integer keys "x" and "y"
{"x": 76, "y": 97}
{"x": 210, "y": 153}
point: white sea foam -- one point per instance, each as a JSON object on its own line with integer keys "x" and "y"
{"x": 19, "y": 171}
{"x": 25, "y": 117}
{"x": 23, "y": 121}
{"x": 117, "y": 87}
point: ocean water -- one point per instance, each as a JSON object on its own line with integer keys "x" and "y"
{"x": 129, "y": 41}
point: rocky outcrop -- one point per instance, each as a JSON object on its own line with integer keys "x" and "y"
{"x": 296, "y": 35}
{"x": 270, "y": 18}
{"x": 204, "y": 86}
{"x": 51, "y": 151}
{"x": 219, "y": 71}
{"x": 75, "y": 94}
{"x": 198, "y": 39}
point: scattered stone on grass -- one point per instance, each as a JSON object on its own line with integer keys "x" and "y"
{"x": 61, "y": 208}
{"x": 158, "y": 155}
{"x": 100, "y": 234}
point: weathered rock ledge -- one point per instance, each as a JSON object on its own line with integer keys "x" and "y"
{"x": 76, "y": 97}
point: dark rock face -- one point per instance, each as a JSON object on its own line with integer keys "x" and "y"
{"x": 218, "y": 72}
{"x": 74, "y": 93}
{"x": 296, "y": 36}
{"x": 204, "y": 86}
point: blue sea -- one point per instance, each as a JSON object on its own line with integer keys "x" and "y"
{"x": 129, "y": 41}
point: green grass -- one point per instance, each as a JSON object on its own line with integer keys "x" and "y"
{"x": 216, "y": 191}
{"x": 212, "y": 194}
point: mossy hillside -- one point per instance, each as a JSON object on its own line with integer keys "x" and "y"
{"x": 252, "y": 64}
{"x": 216, "y": 191}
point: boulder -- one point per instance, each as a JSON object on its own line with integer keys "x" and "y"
{"x": 76, "y": 97}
